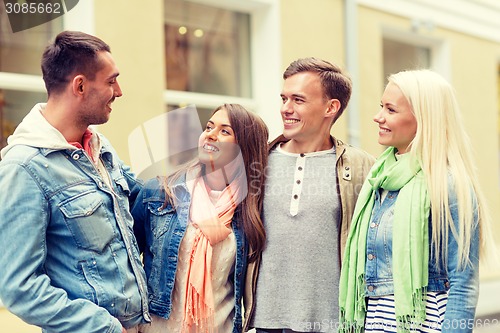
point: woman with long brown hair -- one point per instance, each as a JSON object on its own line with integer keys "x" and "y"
{"x": 199, "y": 227}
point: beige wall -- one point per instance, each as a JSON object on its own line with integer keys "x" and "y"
{"x": 318, "y": 31}
{"x": 134, "y": 31}
{"x": 370, "y": 76}
{"x": 474, "y": 75}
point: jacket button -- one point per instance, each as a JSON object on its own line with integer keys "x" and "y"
{"x": 447, "y": 284}
{"x": 371, "y": 288}
{"x": 76, "y": 157}
{"x": 371, "y": 256}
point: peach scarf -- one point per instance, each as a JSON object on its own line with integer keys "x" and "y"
{"x": 213, "y": 223}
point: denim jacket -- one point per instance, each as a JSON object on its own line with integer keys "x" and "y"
{"x": 69, "y": 262}
{"x": 462, "y": 285}
{"x": 159, "y": 231}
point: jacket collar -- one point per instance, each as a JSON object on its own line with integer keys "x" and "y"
{"x": 338, "y": 144}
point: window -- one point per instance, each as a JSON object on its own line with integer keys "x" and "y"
{"x": 20, "y": 52}
{"x": 414, "y": 50}
{"x": 188, "y": 126}
{"x": 14, "y": 105}
{"x": 400, "y": 56}
{"x": 224, "y": 51}
{"x": 20, "y": 84}
{"x": 216, "y": 51}
{"x": 407, "y": 50}
{"x": 207, "y": 49}
{"x": 214, "y": 54}
{"x": 165, "y": 142}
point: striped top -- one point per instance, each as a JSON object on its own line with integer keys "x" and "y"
{"x": 381, "y": 317}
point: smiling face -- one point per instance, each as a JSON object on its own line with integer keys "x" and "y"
{"x": 217, "y": 144}
{"x": 304, "y": 107}
{"x": 397, "y": 123}
{"x": 100, "y": 92}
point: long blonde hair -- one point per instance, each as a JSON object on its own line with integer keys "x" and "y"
{"x": 443, "y": 148}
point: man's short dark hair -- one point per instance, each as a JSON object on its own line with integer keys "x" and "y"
{"x": 71, "y": 53}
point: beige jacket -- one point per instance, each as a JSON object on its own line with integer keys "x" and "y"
{"x": 353, "y": 165}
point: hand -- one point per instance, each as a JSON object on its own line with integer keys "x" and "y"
{"x": 124, "y": 330}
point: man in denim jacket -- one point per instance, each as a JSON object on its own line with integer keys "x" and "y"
{"x": 70, "y": 262}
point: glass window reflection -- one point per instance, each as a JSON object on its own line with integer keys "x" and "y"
{"x": 207, "y": 49}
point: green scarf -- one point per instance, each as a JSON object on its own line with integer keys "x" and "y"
{"x": 410, "y": 243}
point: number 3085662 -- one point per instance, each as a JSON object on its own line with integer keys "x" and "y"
{"x": 33, "y": 8}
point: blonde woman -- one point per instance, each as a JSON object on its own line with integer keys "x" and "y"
{"x": 199, "y": 227}
{"x": 412, "y": 256}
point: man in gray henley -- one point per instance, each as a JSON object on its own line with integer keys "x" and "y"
{"x": 313, "y": 181}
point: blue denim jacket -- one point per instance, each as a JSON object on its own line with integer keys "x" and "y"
{"x": 462, "y": 285}
{"x": 159, "y": 231}
{"x": 69, "y": 262}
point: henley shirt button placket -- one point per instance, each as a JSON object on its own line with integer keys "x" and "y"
{"x": 297, "y": 186}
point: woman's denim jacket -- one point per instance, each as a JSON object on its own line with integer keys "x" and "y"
{"x": 159, "y": 231}
{"x": 462, "y": 285}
